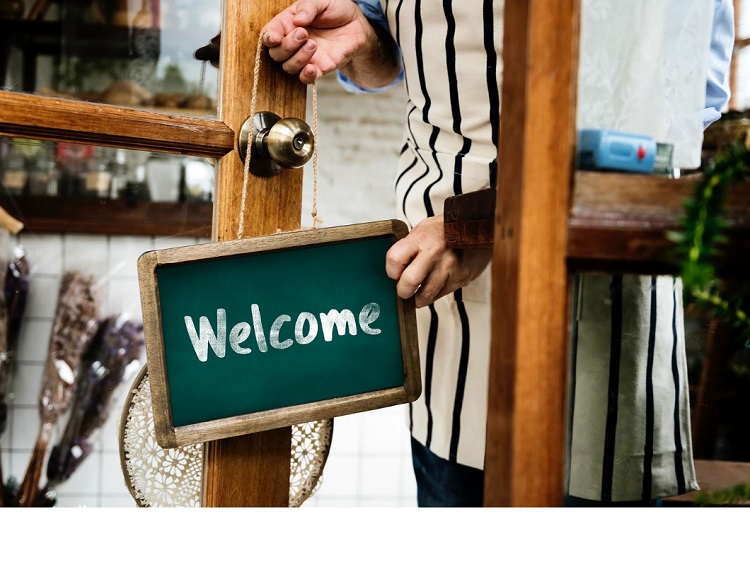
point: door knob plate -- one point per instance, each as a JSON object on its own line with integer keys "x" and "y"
{"x": 276, "y": 143}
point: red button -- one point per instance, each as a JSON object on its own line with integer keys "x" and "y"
{"x": 641, "y": 152}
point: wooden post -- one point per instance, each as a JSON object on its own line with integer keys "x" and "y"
{"x": 252, "y": 470}
{"x": 734, "y": 63}
{"x": 528, "y": 366}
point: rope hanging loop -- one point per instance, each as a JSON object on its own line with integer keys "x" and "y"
{"x": 269, "y": 144}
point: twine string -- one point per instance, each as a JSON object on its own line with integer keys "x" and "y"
{"x": 251, "y": 134}
{"x": 315, "y": 219}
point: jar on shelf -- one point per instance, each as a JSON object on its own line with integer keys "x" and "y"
{"x": 14, "y": 172}
{"x": 44, "y": 175}
{"x": 72, "y": 160}
{"x": 97, "y": 177}
{"x": 163, "y": 177}
{"x": 119, "y": 174}
{"x": 199, "y": 179}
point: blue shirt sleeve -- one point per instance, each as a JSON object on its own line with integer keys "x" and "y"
{"x": 372, "y": 11}
{"x": 722, "y": 44}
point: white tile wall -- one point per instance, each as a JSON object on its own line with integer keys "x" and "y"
{"x": 111, "y": 260}
{"x": 369, "y": 462}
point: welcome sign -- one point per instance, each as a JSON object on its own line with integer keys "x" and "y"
{"x": 255, "y": 334}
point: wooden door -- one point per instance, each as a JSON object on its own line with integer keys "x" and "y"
{"x": 249, "y": 470}
{"x": 528, "y": 362}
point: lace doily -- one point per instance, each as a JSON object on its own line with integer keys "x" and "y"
{"x": 158, "y": 477}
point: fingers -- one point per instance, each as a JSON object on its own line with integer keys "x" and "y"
{"x": 426, "y": 278}
{"x": 435, "y": 286}
{"x": 295, "y": 51}
{"x": 310, "y": 74}
{"x": 306, "y": 11}
{"x": 288, "y": 23}
{"x": 412, "y": 276}
{"x": 399, "y": 256}
{"x": 426, "y": 268}
{"x": 314, "y": 37}
{"x": 420, "y": 269}
{"x": 300, "y": 58}
{"x": 281, "y": 48}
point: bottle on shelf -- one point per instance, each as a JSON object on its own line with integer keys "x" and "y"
{"x": 44, "y": 174}
{"x": 97, "y": 175}
{"x": 163, "y": 177}
{"x": 15, "y": 173}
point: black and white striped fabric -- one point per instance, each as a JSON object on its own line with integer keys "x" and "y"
{"x": 452, "y": 73}
{"x": 630, "y": 417}
{"x": 630, "y": 427}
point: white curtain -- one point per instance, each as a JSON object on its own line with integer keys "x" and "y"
{"x": 642, "y": 70}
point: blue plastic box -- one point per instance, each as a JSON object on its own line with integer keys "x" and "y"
{"x": 602, "y": 149}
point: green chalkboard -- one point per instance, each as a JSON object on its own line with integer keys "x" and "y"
{"x": 261, "y": 333}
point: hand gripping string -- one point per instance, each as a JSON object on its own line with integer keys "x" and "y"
{"x": 251, "y": 134}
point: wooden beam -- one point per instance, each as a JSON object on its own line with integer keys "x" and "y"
{"x": 527, "y": 386}
{"x": 43, "y": 118}
{"x": 734, "y": 62}
{"x": 252, "y": 470}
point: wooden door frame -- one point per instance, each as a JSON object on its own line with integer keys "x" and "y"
{"x": 252, "y": 470}
{"x": 524, "y": 461}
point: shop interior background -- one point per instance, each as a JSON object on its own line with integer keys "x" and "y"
{"x": 359, "y": 141}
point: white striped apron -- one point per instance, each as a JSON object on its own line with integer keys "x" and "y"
{"x": 452, "y": 65}
{"x": 452, "y": 72}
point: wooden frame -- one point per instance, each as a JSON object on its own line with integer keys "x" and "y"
{"x": 37, "y": 117}
{"x": 168, "y": 435}
{"x": 253, "y": 469}
{"x": 524, "y": 456}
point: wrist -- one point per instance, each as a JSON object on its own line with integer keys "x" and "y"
{"x": 376, "y": 61}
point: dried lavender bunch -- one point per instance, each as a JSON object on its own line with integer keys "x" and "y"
{"x": 75, "y": 324}
{"x": 4, "y": 386}
{"x": 16, "y": 289}
{"x": 12, "y": 307}
{"x": 5, "y": 370}
{"x": 117, "y": 343}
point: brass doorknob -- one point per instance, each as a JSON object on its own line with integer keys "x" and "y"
{"x": 277, "y": 144}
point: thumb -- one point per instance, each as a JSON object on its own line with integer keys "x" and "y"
{"x": 307, "y": 11}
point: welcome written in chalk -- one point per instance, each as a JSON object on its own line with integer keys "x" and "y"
{"x": 305, "y": 330}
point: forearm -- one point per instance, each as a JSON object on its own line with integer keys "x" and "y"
{"x": 377, "y": 63}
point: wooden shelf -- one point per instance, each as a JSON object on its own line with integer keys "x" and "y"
{"x": 617, "y": 222}
{"x": 110, "y": 216}
{"x": 38, "y": 38}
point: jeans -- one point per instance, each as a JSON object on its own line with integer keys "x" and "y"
{"x": 442, "y": 483}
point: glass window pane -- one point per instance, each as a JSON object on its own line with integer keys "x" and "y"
{"x": 135, "y": 53}
{"x": 36, "y": 168}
